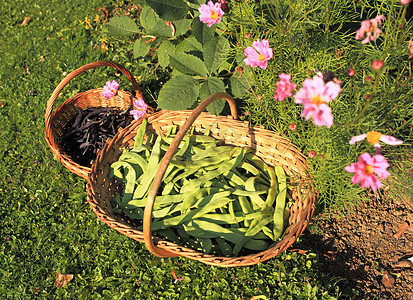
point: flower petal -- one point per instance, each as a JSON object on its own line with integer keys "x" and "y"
{"x": 390, "y": 140}
{"x": 357, "y": 138}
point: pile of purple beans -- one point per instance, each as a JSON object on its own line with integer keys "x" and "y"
{"x": 88, "y": 131}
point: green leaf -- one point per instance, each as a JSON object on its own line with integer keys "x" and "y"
{"x": 190, "y": 45}
{"x": 148, "y": 18}
{"x": 179, "y": 93}
{"x": 169, "y": 10}
{"x": 161, "y": 29}
{"x": 239, "y": 86}
{"x": 140, "y": 48}
{"x": 182, "y": 27}
{"x": 122, "y": 26}
{"x": 153, "y": 24}
{"x": 211, "y": 86}
{"x": 215, "y": 52}
{"x": 188, "y": 64}
{"x": 202, "y": 32}
{"x": 163, "y": 52}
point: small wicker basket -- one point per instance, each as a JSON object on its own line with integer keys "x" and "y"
{"x": 268, "y": 145}
{"x": 55, "y": 121}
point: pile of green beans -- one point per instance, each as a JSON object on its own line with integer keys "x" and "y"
{"x": 214, "y": 198}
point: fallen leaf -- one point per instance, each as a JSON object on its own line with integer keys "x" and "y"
{"x": 402, "y": 229}
{"x": 299, "y": 251}
{"x": 387, "y": 280}
{"x": 259, "y": 297}
{"x": 63, "y": 279}
{"x": 25, "y": 21}
{"x": 174, "y": 275}
{"x": 394, "y": 259}
{"x": 404, "y": 264}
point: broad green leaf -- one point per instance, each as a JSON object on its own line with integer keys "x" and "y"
{"x": 163, "y": 52}
{"x": 161, "y": 29}
{"x": 202, "y": 32}
{"x": 169, "y": 10}
{"x": 191, "y": 44}
{"x": 188, "y": 64}
{"x": 179, "y": 93}
{"x": 215, "y": 52}
{"x": 148, "y": 18}
{"x": 122, "y": 26}
{"x": 239, "y": 86}
{"x": 182, "y": 26}
{"x": 140, "y": 48}
{"x": 153, "y": 23}
{"x": 211, "y": 86}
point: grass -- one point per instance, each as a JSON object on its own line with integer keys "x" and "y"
{"x": 46, "y": 225}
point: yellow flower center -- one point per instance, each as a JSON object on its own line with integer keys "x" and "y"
{"x": 214, "y": 15}
{"x": 317, "y": 100}
{"x": 368, "y": 170}
{"x": 373, "y": 137}
{"x": 261, "y": 57}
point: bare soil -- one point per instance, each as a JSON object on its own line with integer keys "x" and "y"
{"x": 368, "y": 248}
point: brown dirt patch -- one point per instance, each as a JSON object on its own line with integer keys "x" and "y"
{"x": 361, "y": 248}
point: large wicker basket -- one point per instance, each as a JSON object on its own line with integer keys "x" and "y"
{"x": 56, "y": 120}
{"x": 268, "y": 145}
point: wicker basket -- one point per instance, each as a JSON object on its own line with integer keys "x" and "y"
{"x": 56, "y": 121}
{"x": 268, "y": 145}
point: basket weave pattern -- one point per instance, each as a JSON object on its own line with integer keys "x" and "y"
{"x": 270, "y": 146}
{"x": 55, "y": 121}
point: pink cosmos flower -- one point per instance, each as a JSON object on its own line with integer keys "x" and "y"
{"x": 258, "y": 54}
{"x": 313, "y": 96}
{"x": 369, "y": 30}
{"x": 367, "y": 170}
{"x": 140, "y": 109}
{"x": 374, "y": 137}
{"x": 210, "y": 13}
{"x": 284, "y": 87}
{"x": 110, "y": 89}
{"x": 405, "y": 2}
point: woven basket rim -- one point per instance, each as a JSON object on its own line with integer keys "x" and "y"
{"x": 291, "y": 233}
{"x": 52, "y": 115}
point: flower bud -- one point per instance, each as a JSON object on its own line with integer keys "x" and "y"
{"x": 377, "y": 64}
{"x": 351, "y": 72}
{"x": 292, "y": 126}
{"x": 248, "y": 35}
{"x": 311, "y": 154}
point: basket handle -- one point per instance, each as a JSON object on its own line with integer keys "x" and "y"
{"x": 153, "y": 190}
{"x": 69, "y": 77}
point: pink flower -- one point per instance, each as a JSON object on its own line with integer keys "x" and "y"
{"x": 140, "y": 108}
{"x": 367, "y": 169}
{"x": 410, "y": 49}
{"x": 258, "y": 54}
{"x": 313, "y": 96}
{"x": 405, "y": 2}
{"x": 369, "y": 30}
{"x": 374, "y": 137}
{"x": 284, "y": 87}
{"x": 210, "y": 13}
{"x": 110, "y": 89}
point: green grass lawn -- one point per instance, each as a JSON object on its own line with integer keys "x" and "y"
{"x": 46, "y": 224}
